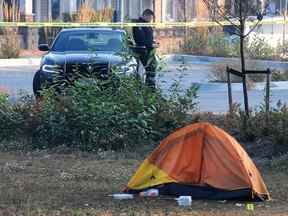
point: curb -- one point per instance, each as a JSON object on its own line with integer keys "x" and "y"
{"x": 20, "y": 62}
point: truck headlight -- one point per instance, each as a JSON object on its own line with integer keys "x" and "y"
{"x": 51, "y": 68}
{"x": 128, "y": 68}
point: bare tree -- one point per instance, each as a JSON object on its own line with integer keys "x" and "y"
{"x": 236, "y": 13}
{"x": 10, "y": 10}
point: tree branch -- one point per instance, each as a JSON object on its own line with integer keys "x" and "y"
{"x": 253, "y": 28}
{"x": 219, "y": 11}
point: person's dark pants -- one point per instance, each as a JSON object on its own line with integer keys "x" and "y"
{"x": 148, "y": 59}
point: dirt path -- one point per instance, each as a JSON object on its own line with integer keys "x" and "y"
{"x": 78, "y": 184}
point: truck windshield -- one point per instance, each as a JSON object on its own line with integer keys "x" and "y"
{"x": 106, "y": 41}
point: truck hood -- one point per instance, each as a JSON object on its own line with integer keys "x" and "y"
{"x": 68, "y": 58}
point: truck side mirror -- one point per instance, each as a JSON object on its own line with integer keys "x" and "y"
{"x": 43, "y": 47}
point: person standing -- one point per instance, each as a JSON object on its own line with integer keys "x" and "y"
{"x": 144, "y": 37}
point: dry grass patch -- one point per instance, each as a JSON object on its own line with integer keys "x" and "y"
{"x": 79, "y": 184}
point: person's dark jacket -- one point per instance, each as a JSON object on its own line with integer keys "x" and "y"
{"x": 143, "y": 36}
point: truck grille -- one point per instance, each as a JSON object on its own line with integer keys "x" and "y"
{"x": 99, "y": 70}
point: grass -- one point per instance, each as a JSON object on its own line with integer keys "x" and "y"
{"x": 219, "y": 74}
{"x": 53, "y": 183}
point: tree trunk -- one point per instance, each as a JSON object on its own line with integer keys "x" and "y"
{"x": 284, "y": 25}
{"x": 243, "y": 66}
{"x": 243, "y": 70}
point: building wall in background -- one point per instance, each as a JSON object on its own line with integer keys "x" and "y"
{"x": 180, "y": 10}
{"x": 261, "y": 4}
{"x": 165, "y": 10}
{"x": 101, "y": 4}
{"x": 26, "y": 10}
{"x": 42, "y": 12}
{"x": 68, "y": 7}
{"x": 277, "y": 7}
{"x": 1, "y": 11}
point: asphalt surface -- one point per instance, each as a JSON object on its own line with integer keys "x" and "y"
{"x": 17, "y": 79}
{"x": 212, "y": 96}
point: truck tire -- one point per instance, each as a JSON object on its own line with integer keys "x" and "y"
{"x": 37, "y": 84}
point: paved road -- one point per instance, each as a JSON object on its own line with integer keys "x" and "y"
{"x": 16, "y": 79}
{"x": 212, "y": 96}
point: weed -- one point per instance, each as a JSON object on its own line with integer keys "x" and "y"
{"x": 10, "y": 45}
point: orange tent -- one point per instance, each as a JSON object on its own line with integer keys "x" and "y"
{"x": 203, "y": 161}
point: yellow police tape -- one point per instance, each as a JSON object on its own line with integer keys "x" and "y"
{"x": 123, "y": 25}
{"x": 106, "y": 24}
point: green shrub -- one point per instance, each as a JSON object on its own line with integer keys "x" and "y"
{"x": 17, "y": 120}
{"x": 278, "y": 127}
{"x": 96, "y": 115}
{"x": 272, "y": 131}
{"x": 196, "y": 41}
{"x": 218, "y": 45}
{"x": 116, "y": 114}
{"x": 3, "y": 98}
{"x": 215, "y": 43}
{"x": 258, "y": 48}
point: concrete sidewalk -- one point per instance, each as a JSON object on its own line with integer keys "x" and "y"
{"x": 20, "y": 62}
